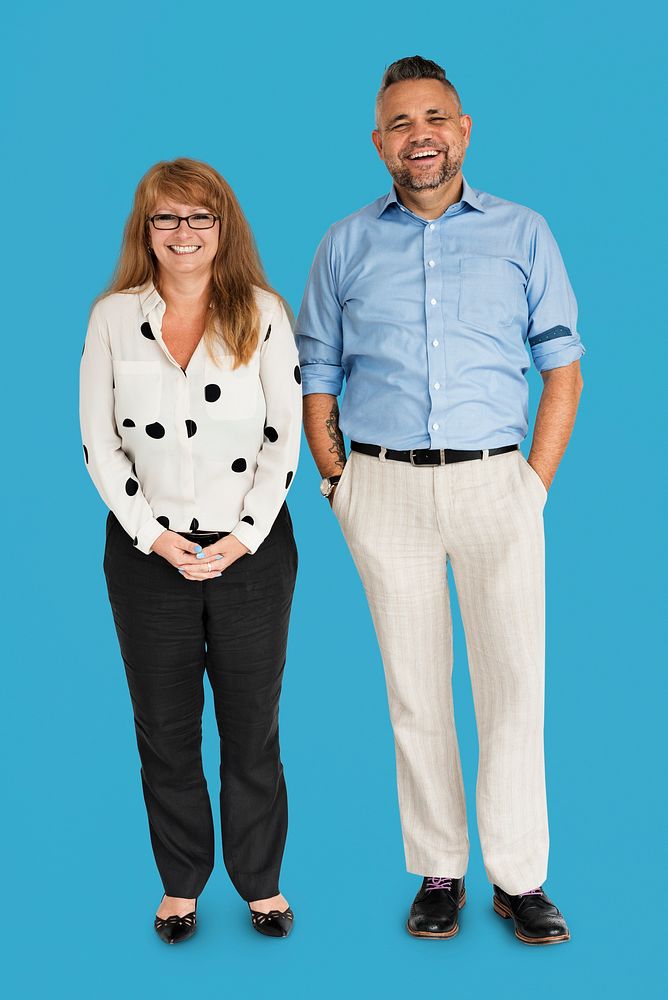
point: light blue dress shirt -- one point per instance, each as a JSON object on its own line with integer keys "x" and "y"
{"x": 432, "y": 322}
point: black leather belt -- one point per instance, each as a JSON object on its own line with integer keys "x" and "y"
{"x": 428, "y": 456}
{"x": 203, "y": 538}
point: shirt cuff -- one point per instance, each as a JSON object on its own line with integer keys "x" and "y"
{"x": 559, "y": 359}
{"x": 321, "y": 378}
{"x": 147, "y": 534}
{"x": 248, "y": 535}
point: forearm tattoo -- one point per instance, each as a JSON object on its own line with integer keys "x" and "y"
{"x": 337, "y": 447}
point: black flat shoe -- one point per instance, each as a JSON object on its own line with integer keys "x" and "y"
{"x": 173, "y": 930}
{"x": 537, "y": 920}
{"x": 435, "y": 909}
{"x": 276, "y": 923}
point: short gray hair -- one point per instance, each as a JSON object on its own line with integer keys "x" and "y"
{"x": 414, "y": 68}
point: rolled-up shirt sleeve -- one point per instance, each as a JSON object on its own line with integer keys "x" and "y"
{"x": 552, "y": 329}
{"x": 277, "y": 459}
{"x": 108, "y": 465}
{"x": 319, "y": 329}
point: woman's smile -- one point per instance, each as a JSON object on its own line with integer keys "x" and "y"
{"x": 177, "y": 248}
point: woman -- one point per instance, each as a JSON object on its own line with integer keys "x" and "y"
{"x": 191, "y": 418}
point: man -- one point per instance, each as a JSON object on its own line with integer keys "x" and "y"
{"x": 429, "y": 301}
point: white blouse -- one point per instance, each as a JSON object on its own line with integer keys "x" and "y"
{"x": 209, "y": 448}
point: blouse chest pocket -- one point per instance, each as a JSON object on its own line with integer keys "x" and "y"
{"x": 137, "y": 393}
{"x": 230, "y": 393}
{"x": 491, "y": 292}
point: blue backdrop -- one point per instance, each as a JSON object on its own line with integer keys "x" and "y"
{"x": 565, "y": 103}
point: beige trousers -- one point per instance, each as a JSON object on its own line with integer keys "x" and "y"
{"x": 402, "y": 524}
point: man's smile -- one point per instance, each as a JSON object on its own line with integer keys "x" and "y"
{"x": 424, "y": 154}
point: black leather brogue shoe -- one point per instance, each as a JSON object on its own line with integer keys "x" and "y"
{"x": 537, "y": 920}
{"x": 435, "y": 909}
{"x": 173, "y": 930}
{"x": 276, "y": 923}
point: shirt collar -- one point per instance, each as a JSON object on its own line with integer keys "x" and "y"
{"x": 149, "y": 298}
{"x": 468, "y": 195}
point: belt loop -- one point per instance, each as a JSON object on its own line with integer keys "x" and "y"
{"x": 485, "y": 454}
{"x": 381, "y": 455}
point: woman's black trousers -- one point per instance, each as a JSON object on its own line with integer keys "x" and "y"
{"x": 235, "y": 628}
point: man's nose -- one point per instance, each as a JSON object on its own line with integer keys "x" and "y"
{"x": 419, "y": 137}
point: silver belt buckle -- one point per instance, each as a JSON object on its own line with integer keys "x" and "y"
{"x": 441, "y": 452}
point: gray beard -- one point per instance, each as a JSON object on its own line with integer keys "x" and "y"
{"x": 403, "y": 177}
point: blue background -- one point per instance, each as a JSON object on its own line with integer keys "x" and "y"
{"x": 565, "y": 102}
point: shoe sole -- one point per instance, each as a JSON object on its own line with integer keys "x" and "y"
{"x": 504, "y": 912}
{"x": 444, "y": 934}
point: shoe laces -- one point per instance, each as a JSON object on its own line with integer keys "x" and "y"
{"x": 434, "y": 882}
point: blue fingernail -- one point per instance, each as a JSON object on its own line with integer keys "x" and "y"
{"x": 200, "y": 555}
{"x": 198, "y": 548}
{"x": 181, "y": 571}
{"x": 219, "y": 557}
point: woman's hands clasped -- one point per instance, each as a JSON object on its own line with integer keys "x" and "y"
{"x": 195, "y": 563}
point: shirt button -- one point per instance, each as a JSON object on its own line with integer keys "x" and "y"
{"x": 434, "y": 343}
{"x": 432, "y": 226}
{"x": 432, "y": 263}
{"x": 434, "y": 427}
{"x": 433, "y": 302}
{"x": 437, "y": 385}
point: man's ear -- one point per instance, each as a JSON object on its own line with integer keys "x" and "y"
{"x": 378, "y": 142}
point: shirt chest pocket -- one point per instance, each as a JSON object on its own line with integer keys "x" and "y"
{"x": 491, "y": 292}
{"x": 230, "y": 393}
{"x": 137, "y": 393}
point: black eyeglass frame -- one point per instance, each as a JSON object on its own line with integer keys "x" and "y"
{"x": 182, "y": 218}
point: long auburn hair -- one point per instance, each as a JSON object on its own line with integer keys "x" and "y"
{"x": 237, "y": 270}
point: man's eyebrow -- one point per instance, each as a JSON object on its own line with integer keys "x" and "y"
{"x": 429, "y": 111}
{"x": 397, "y": 118}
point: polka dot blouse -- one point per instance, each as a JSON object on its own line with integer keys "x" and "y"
{"x": 210, "y": 448}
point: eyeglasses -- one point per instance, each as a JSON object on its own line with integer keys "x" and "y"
{"x": 203, "y": 220}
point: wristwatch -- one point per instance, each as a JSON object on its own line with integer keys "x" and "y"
{"x": 328, "y": 484}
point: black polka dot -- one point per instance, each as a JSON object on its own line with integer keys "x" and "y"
{"x": 298, "y": 375}
{"x": 85, "y": 453}
{"x": 164, "y": 521}
{"x": 288, "y": 479}
{"x": 248, "y": 519}
{"x": 271, "y": 434}
{"x": 191, "y": 427}
{"x": 147, "y": 331}
{"x": 131, "y": 487}
{"x": 194, "y": 524}
{"x": 129, "y": 423}
{"x": 268, "y": 332}
{"x": 155, "y": 430}
{"x": 239, "y": 465}
{"x": 211, "y": 392}
{"x": 134, "y": 541}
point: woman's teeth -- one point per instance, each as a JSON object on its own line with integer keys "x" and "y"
{"x": 180, "y": 250}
